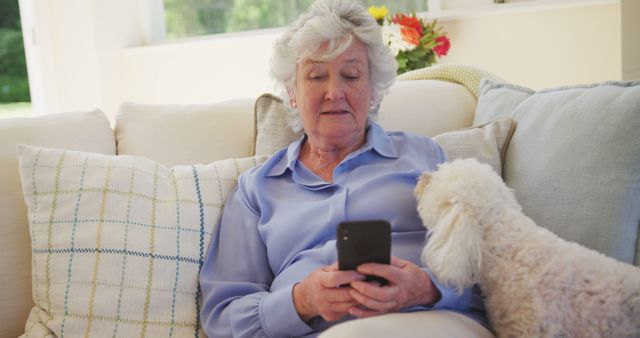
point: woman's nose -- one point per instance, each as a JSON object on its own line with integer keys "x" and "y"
{"x": 335, "y": 90}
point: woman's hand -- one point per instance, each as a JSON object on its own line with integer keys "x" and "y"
{"x": 408, "y": 285}
{"x": 320, "y": 293}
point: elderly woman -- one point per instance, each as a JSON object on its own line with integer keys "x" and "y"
{"x": 271, "y": 267}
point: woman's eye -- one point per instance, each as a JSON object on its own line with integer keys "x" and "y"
{"x": 350, "y": 76}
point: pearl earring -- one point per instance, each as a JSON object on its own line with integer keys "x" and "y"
{"x": 293, "y": 104}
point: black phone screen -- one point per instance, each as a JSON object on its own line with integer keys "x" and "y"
{"x": 362, "y": 242}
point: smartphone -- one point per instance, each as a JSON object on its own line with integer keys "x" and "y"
{"x": 362, "y": 242}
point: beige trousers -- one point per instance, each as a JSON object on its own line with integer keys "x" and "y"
{"x": 427, "y": 324}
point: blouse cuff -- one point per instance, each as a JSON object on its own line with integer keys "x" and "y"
{"x": 279, "y": 316}
{"x": 449, "y": 298}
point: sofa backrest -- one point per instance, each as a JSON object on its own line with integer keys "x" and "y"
{"x": 187, "y": 133}
{"x": 202, "y": 133}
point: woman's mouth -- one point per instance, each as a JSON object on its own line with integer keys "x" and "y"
{"x": 335, "y": 112}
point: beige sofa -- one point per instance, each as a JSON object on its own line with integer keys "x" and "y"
{"x": 176, "y": 135}
{"x": 172, "y": 135}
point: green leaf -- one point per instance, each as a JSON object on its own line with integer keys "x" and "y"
{"x": 402, "y": 62}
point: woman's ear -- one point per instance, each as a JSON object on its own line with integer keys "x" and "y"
{"x": 292, "y": 97}
{"x": 454, "y": 248}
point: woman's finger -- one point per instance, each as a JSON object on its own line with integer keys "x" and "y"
{"x": 386, "y": 271}
{"x": 398, "y": 262}
{"x": 334, "y": 279}
{"x": 381, "y": 293}
{"x": 374, "y": 304}
{"x": 338, "y": 295}
{"x": 332, "y": 267}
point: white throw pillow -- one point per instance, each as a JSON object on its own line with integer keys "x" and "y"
{"x": 118, "y": 241}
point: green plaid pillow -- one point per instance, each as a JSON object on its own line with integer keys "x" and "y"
{"x": 118, "y": 241}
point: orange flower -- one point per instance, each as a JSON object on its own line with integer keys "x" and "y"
{"x": 408, "y": 21}
{"x": 410, "y": 35}
{"x": 414, "y": 41}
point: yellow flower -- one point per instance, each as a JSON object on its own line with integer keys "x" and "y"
{"x": 378, "y": 13}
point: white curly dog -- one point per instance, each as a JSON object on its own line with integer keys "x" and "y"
{"x": 536, "y": 284}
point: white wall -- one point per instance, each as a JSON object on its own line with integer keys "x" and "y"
{"x": 200, "y": 70}
{"x": 630, "y": 16}
{"x": 92, "y": 53}
{"x": 549, "y": 44}
{"x": 461, "y": 4}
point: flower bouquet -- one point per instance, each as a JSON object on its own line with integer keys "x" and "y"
{"x": 414, "y": 42}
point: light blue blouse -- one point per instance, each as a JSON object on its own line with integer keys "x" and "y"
{"x": 279, "y": 225}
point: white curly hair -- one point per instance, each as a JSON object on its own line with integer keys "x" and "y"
{"x": 332, "y": 25}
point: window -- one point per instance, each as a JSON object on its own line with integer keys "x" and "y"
{"x": 184, "y": 18}
{"x": 14, "y": 84}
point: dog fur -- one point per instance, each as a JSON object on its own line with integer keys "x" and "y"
{"x": 535, "y": 283}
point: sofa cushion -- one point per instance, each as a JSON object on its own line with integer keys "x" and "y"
{"x": 175, "y": 134}
{"x": 78, "y": 130}
{"x": 271, "y": 129}
{"x": 118, "y": 241}
{"x": 487, "y": 143}
{"x": 574, "y": 160}
{"x": 425, "y": 107}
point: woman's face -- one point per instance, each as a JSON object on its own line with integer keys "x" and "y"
{"x": 333, "y": 97}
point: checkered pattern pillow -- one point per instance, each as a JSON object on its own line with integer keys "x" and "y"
{"x": 118, "y": 241}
